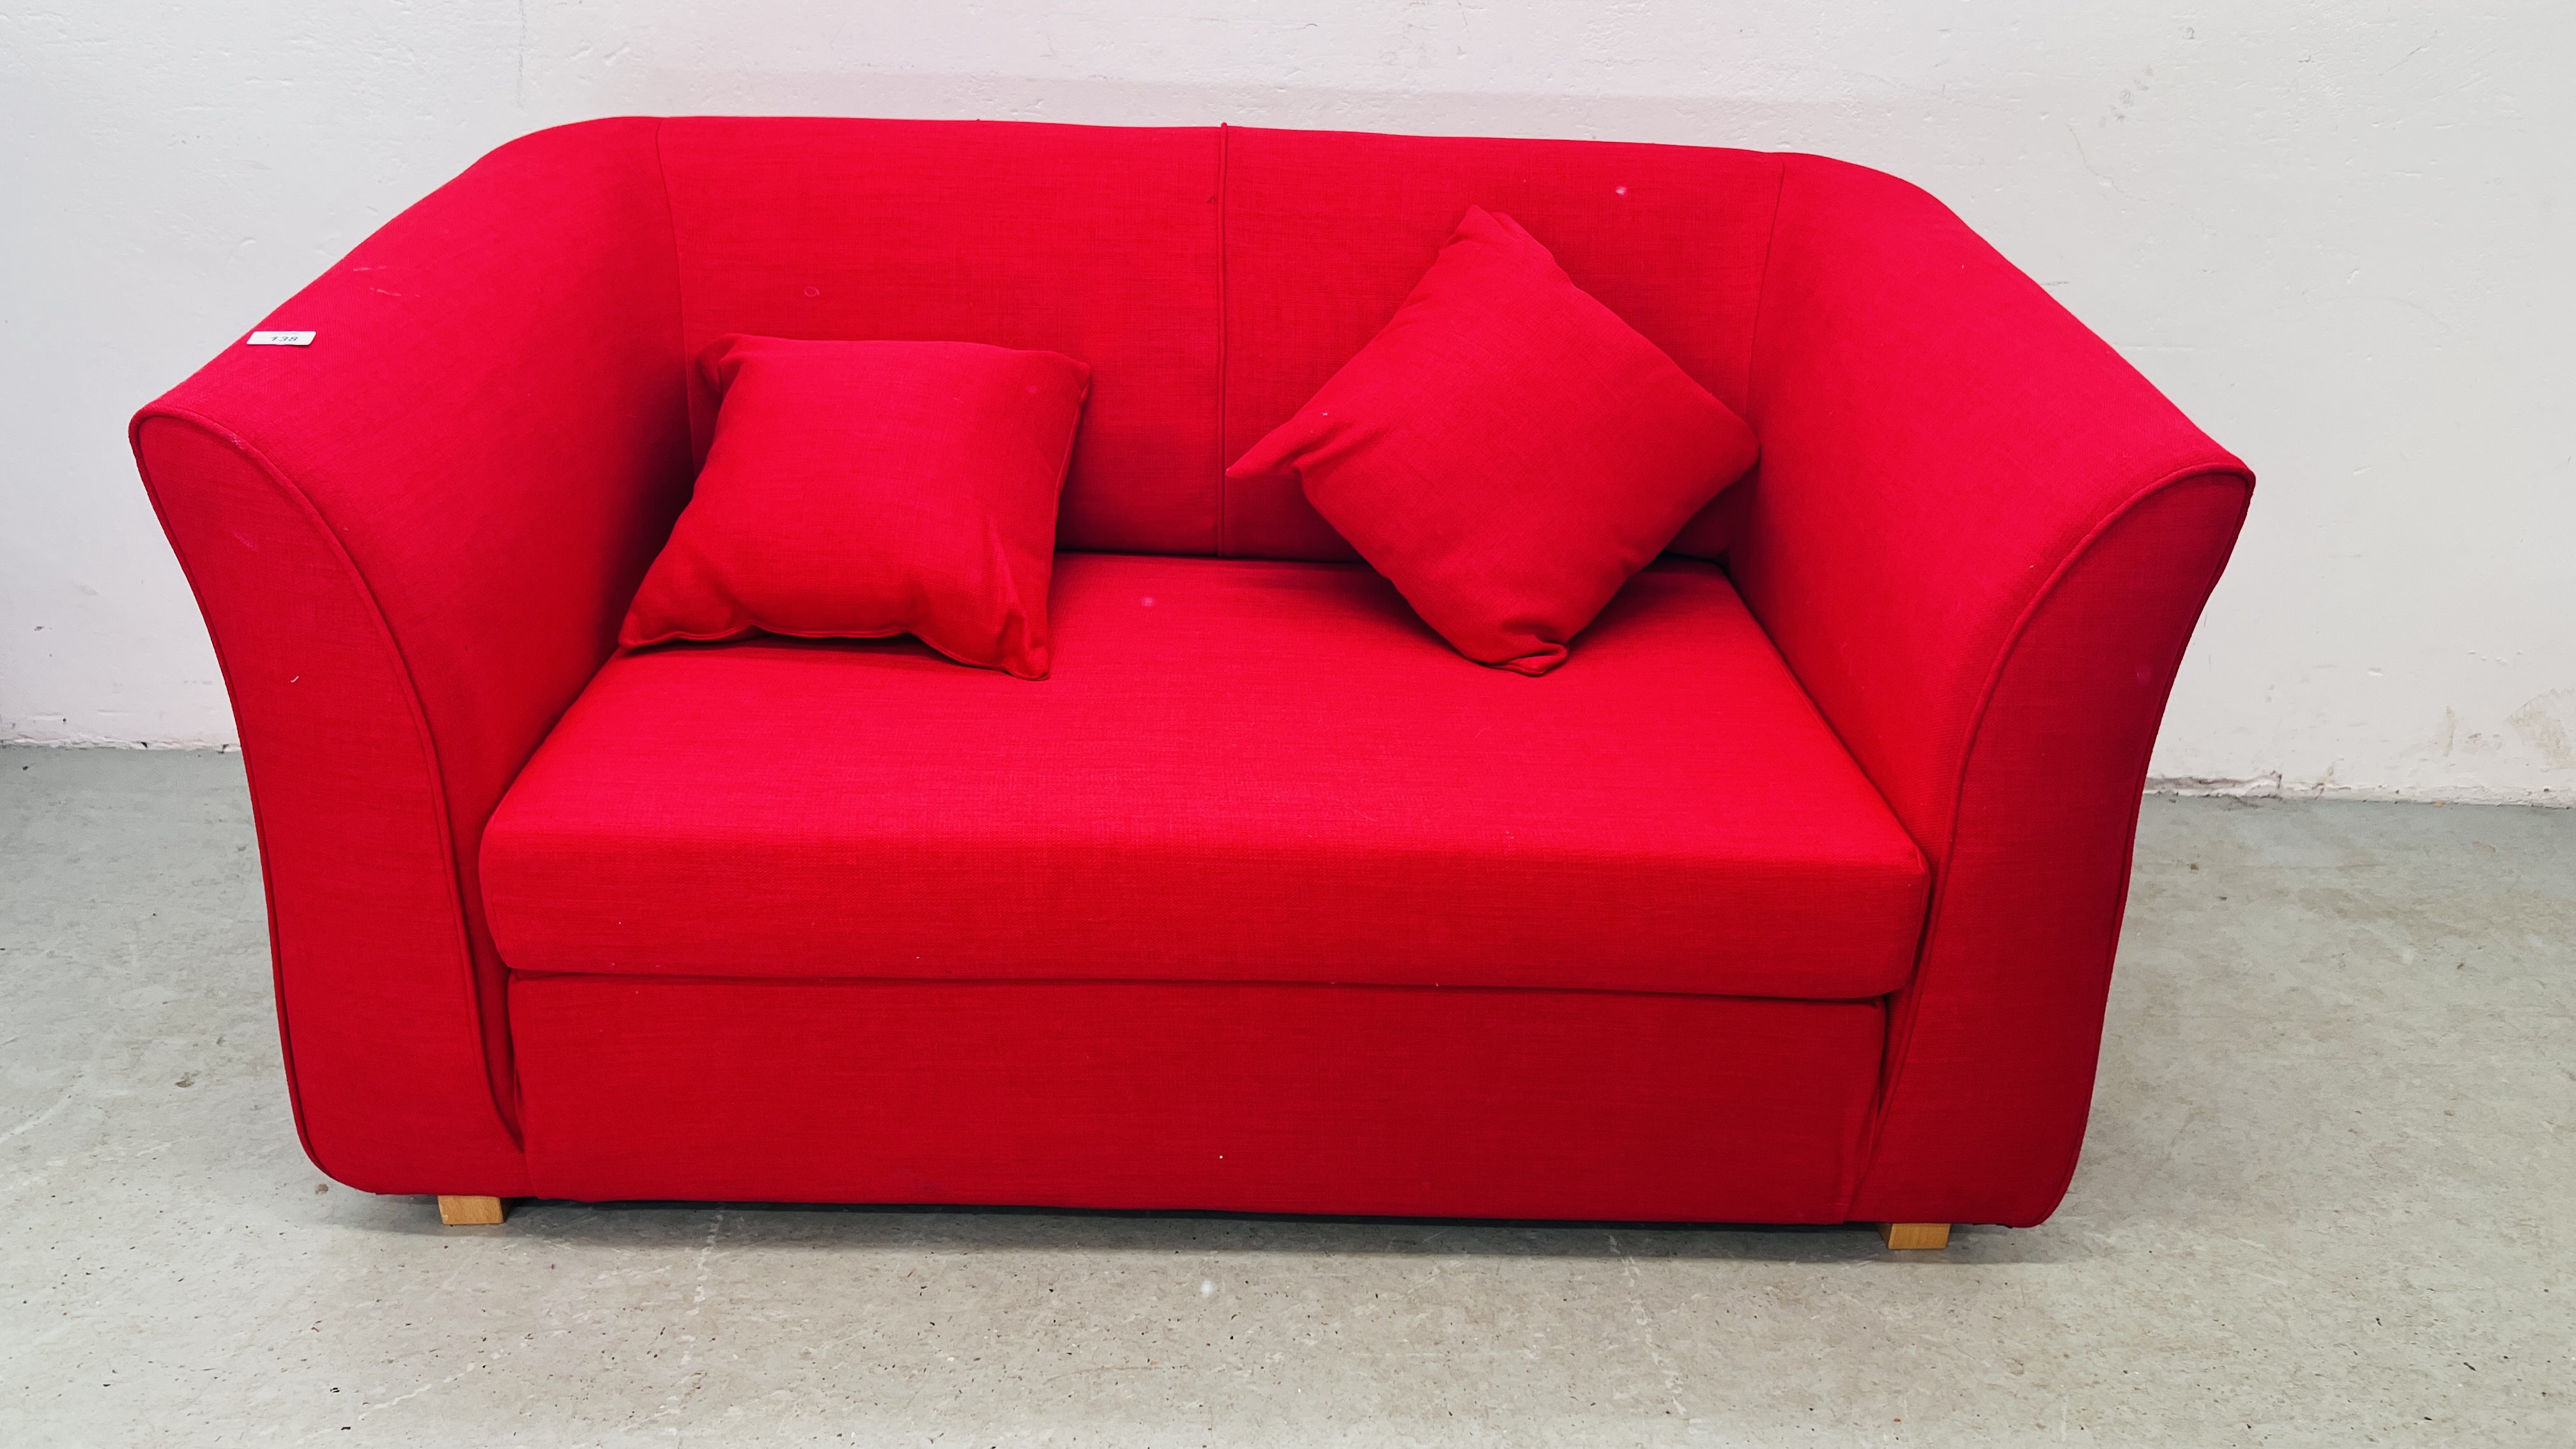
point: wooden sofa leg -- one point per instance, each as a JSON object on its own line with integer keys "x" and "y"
{"x": 459, "y": 1212}
{"x": 1899, "y": 1236}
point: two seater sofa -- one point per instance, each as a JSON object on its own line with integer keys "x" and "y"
{"x": 1792, "y": 898}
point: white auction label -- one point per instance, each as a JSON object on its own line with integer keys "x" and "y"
{"x": 281, "y": 339}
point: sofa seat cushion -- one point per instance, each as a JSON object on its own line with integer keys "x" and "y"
{"x": 1240, "y": 771}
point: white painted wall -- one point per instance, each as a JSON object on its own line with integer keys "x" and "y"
{"x": 2337, "y": 233}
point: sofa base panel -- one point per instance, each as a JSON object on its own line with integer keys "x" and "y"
{"x": 1409, "y": 1101}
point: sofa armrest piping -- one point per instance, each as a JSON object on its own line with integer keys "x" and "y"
{"x": 302, "y": 503}
{"x": 1894, "y": 1071}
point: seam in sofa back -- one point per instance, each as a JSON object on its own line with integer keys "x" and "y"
{"x": 1212, "y": 277}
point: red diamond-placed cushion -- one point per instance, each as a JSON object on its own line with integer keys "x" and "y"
{"x": 1507, "y": 451}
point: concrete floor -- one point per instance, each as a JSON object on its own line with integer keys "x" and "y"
{"x": 2327, "y": 1201}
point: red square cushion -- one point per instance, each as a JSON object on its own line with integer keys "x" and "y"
{"x": 1507, "y": 451}
{"x": 860, "y": 489}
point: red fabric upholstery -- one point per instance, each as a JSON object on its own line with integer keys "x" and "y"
{"x": 1096, "y": 242}
{"x": 1977, "y": 539}
{"x": 1506, "y": 451}
{"x": 1712, "y": 532}
{"x": 1981, "y": 540}
{"x": 861, "y": 489}
{"x": 1326, "y": 231}
{"x": 412, "y": 542}
{"x": 1239, "y": 771}
{"x": 1263, "y": 1098}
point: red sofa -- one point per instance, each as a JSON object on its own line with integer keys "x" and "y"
{"x": 1792, "y": 898}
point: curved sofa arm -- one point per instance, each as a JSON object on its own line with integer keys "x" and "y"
{"x": 1981, "y": 540}
{"x": 412, "y": 541}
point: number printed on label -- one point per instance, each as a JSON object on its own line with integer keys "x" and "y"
{"x": 281, "y": 339}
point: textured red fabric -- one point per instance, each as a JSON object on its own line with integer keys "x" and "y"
{"x": 1712, "y": 532}
{"x": 1978, "y": 540}
{"x": 1098, "y": 242}
{"x": 1993, "y": 1045}
{"x": 377, "y": 998}
{"x": 1193, "y": 796}
{"x": 412, "y": 542}
{"x": 1327, "y": 231}
{"x": 1506, "y": 451}
{"x": 1260, "y": 1097}
{"x": 1969, "y": 543}
{"x": 860, "y": 489}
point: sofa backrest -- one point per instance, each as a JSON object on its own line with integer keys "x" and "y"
{"x": 1212, "y": 277}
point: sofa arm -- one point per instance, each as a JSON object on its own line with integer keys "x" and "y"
{"x": 1981, "y": 540}
{"x": 412, "y": 542}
